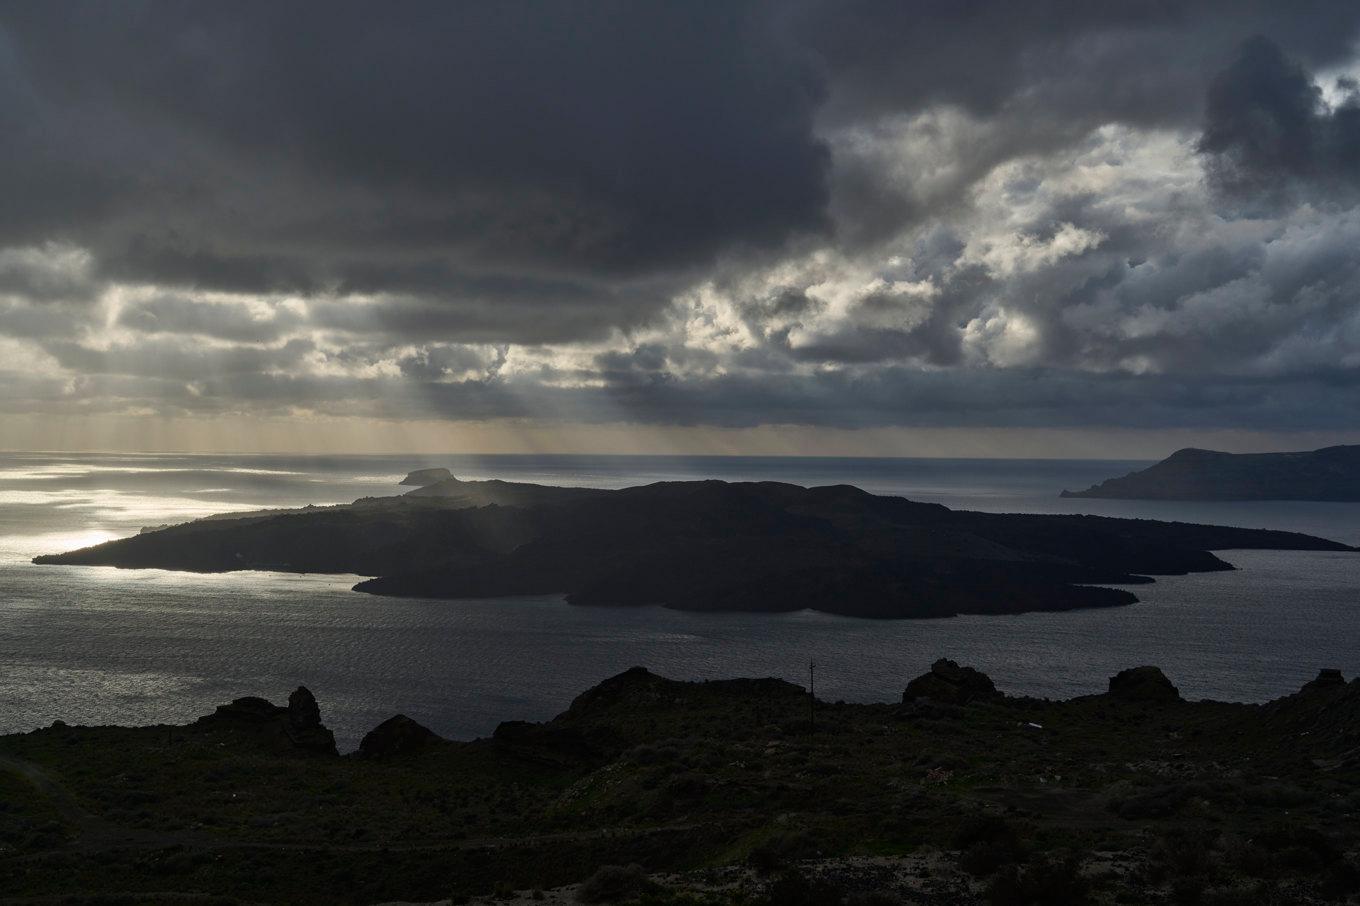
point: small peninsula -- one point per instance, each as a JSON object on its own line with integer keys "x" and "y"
{"x": 1329, "y": 474}
{"x": 701, "y": 545}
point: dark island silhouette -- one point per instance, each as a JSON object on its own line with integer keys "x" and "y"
{"x": 1329, "y": 474}
{"x": 700, "y": 545}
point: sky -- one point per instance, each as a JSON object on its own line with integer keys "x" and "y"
{"x": 807, "y": 227}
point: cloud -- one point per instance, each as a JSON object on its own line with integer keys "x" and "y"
{"x": 1268, "y": 129}
{"x": 229, "y": 319}
{"x": 848, "y": 214}
{"x": 51, "y": 272}
{"x": 169, "y": 359}
{"x": 254, "y": 148}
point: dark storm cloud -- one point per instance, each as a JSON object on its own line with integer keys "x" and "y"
{"x": 858, "y": 212}
{"x": 279, "y": 147}
{"x": 1267, "y": 126}
{"x": 490, "y": 309}
{"x": 1043, "y": 74}
{"x": 1131, "y": 61}
{"x": 284, "y": 146}
{"x": 173, "y": 360}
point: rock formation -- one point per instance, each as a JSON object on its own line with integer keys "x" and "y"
{"x": 1325, "y": 713}
{"x": 297, "y": 727}
{"x": 1143, "y": 684}
{"x": 398, "y": 735}
{"x": 304, "y": 725}
{"x": 949, "y": 684}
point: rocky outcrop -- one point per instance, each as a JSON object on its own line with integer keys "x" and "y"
{"x": 1325, "y": 713}
{"x": 398, "y": 735}
{"x": 636, "y": 686}
{"x": 1143, "y": 684}
{"x": 297, "y": 727}
{"x": 1327, "y": 679}
{"x": 303, "y": 711}
{"x": 949, "y": 684}
{"x": 422, "y": 478}
{"x": 637, "y": 689}
{"x": 1332, "y": 473}
{"x": 250, "y": 709}
{"x": 303, "y": 723}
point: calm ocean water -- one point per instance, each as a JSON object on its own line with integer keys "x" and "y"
{"x": 100, "y": 645}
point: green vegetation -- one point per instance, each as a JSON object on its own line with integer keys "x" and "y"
{"x": 658, "y": 792}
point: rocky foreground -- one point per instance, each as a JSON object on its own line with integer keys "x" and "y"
{"x": 700, "y": 545}
{"x": 648, "y": 790}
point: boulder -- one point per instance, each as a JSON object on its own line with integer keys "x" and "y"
{"x": 397, "y": 735}
{"x": 1143, "y": 684}
{"x": 950, "y": 684}
{"x": 423, "y": 478}
{"x": 303, "y": 711}
{"x": 303, "y": 724}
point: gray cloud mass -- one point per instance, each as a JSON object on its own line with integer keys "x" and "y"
{"x": 843, "y": 214}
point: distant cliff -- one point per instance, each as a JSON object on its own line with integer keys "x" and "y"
{"x": 701, "y": 545}
{"x": 1332, "y": 473}
{"x": 424, "y": 477}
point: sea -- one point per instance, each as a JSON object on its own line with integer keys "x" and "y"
{"x": 99, "y": 645}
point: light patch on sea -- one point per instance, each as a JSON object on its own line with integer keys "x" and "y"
{"x": 103, "y": 645}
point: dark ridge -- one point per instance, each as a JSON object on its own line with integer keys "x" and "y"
{"x": 1329, "y": 474}
{"x": 398, "y": 735}
{"x": 742, "y": 792}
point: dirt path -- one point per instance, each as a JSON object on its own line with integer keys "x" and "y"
{"x": 60, "y": 798}
{"x": 91, "y": 831}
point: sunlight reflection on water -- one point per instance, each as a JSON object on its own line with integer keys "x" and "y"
{"x": 107, "y": 645}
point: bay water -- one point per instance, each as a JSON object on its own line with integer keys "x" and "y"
{"x": 102, "y": 645}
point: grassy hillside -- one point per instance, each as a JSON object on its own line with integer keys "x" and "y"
{"x": 718, "y": 792}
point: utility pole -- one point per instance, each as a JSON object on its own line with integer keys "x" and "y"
{"x": 812, "y": 697}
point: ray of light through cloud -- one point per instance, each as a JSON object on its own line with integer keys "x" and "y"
{"x": 874, "y": 249}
